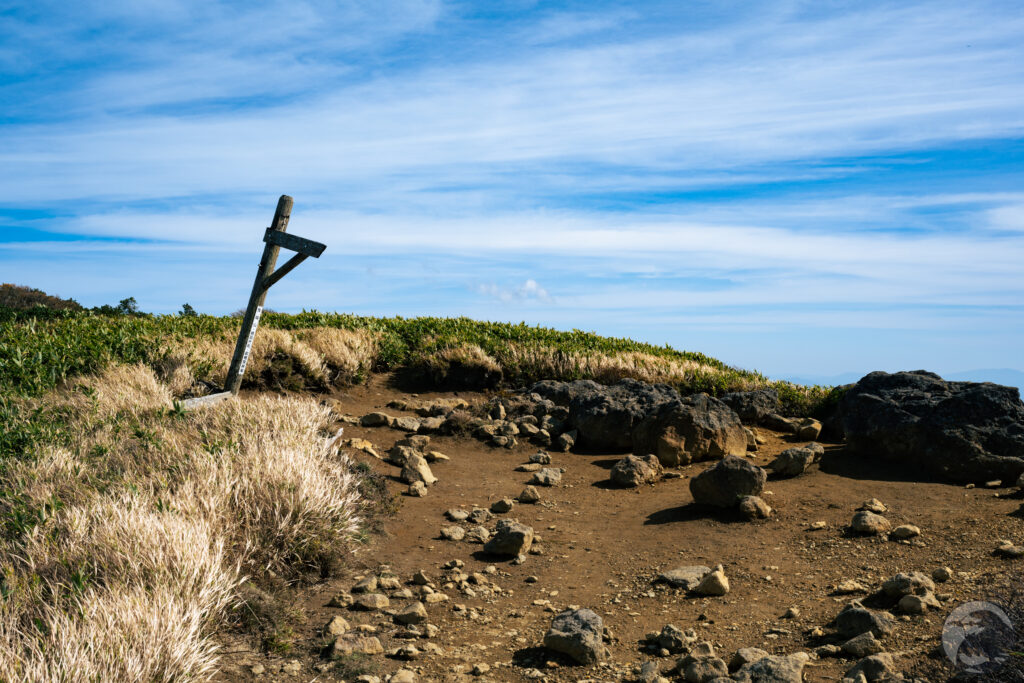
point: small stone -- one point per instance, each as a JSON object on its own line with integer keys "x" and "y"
{"x": 869, "y": 523}
{"x": 746, "y": 655}
{"x": 993, "y": 484}
{"x": 502, "y": 506}
{"x": 414, "y": 613}
{"x": 478, "y": 534}
{"x": 403, "y": 676}
{"x": 878, "y": 667}
{"x": 406, "y": 424}
{"x": 541, "y": 458}
{"x": 873, "y": 505}
{"x": 548, "y": 476}
{"x": 673, "y": 639}
{"x": 371, "y": 602}
{"x": 849, "y": 586}
{"x": 335, "y": 627}
{"x": 457, "y": 515}
{"x": 904, "y": 584}
{"x": 942, "y": 574}
{"x": 348, "y": 644}
{"x": 366, "y": 585}
{"x": 754, "y": 507}
{"x": 1009, "y": 550}
{"x": 686, "y": 578}
{"x": 417, "y": 489}
{"x": 726, "y": 482}
{"x": 863, "y": 645}
{"x": 793, "y": 462}
{"x": 808, "y": 429}
{"x": 374, "y": 420}
{"x": 904, "y": 532}
{"x": 341, "y": 600}
{"x": 578, "y": 634}
{"x": 633, "y": 471}
{"x": 416, "y": 469}
{"x": 715, "y": 583}
{"x": 479, "y": 516}
{"x": 791, "y": 613}
{"x": 566, "y": 441}
{"x": 818, "y": 526}
{"x": 510, "y": 538}
{"x": 257, "y": 669}
{"x": 529, "y": 495}
{"x": 453, "y": 533}
{"x": 910, "y": 604}
{"x": 855, "y": 619}
{"x": 436, "y": 456}
{"x": 480, "y": 669}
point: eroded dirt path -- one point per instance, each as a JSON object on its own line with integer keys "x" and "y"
{"x": 602, "y": 547}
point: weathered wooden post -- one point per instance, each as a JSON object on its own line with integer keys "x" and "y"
{"x": 276, "y": 236}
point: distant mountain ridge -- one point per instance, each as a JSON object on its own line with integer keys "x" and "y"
{"x": 1007, "y": 376}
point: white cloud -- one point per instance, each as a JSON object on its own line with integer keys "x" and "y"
{"x": 528, "y": 290}
{"x": 787, "y": 89}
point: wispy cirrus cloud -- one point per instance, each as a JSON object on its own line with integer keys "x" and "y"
{"x": 679, "y": 170}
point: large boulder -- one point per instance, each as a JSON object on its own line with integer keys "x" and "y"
{"x": 578, "y": 634}
{"x": 753, "y": 406}
{"x": 726, "y": 482}
{"x": 695, "y": 428}
{"x": 605, "y": 415}
{"x": 957, "y": 431}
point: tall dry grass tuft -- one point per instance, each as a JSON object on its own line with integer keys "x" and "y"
{"x": 136, "y": 534}
{"x": 548, "y": 361}
{"x": 323, "y": 355}
{"x": 350, "y": 354}
{"x": 284, "y": 501}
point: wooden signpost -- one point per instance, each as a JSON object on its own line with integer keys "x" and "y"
{"x": 275, "y": 237}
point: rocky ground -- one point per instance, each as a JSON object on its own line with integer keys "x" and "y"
{"x": 428, "y": 601}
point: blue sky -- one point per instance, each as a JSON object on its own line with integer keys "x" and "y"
{"x": 802, "y": 188}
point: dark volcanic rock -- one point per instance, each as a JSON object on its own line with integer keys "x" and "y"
{"x": 855, "y": 619}
{"x": 753, "y": 406}
{"x": 606, "y": 415}
{"x": 725, "y": 483}
{"x": 957, "y": 431}
{"x": 695, "y": 428}
{"x": 578, "y": 634}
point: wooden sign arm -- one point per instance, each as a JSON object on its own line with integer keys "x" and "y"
{"x": 270, "y": 280}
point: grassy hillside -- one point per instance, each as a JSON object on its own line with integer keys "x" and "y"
{"x": 133, "y": 531}
{"x": 39, "y": 348}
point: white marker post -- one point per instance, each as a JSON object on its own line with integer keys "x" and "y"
{"x": 275, "y": 237}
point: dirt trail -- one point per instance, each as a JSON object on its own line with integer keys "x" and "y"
{"x": 602, "y": 547}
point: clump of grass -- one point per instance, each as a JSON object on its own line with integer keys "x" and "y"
{"x": 135, "y": 532}
{"x": 349, "y": 355}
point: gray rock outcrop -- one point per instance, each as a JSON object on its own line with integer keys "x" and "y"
{"x": 956, "y": 431}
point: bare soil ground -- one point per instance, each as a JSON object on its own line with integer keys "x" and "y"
{"x": 602, "y": 546}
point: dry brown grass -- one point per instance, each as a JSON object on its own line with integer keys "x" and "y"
{"x": 323, "y": 355}
{"x": 350, "y": 354}
{"x": 547, "y": 361}
{"x": 161, "y": 516}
